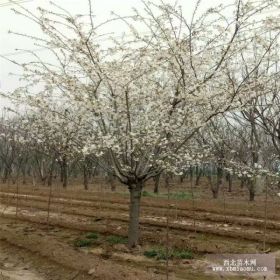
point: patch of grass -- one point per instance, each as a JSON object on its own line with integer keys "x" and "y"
{"x": 114, "y": 239}
{"x": 151, "y": 253}
{"x": 160, "y": 254}
{"x": 155, "y": 253}
{"x": 122, "y": 193}
{"x": 182, "y": 254}
{"x": 149, "y": 194}
{"x": 92, "y": 236}
{"x": 181, "y": 196}
{"x": 82, "y": 243}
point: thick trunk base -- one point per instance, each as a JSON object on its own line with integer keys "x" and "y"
{"x": 156, "y": 184}
{"x": 134, "y": 214}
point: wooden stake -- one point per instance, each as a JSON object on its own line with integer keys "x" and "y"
{"x": 193, "y": 202}
{"x": 265, "y": 216}
{"x": 49, "y": 205}
{"x": 167, "y": 245}
{"x": 224, "y": 200}
{"x": 17, "y": 201}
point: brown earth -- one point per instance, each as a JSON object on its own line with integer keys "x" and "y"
{"x": 45, "y": 245}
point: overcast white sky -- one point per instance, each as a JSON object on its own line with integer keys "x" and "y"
{"x": 101, "y": 8}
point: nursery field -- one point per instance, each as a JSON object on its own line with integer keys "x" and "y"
{"x": 140, "y": 141}
{"x": 77, "y": 234}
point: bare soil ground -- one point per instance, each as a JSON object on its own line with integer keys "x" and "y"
{"x": 44, "y": 243}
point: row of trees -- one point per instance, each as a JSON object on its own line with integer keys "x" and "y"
{"x": 174, "y": 92}
{"x": 233, "y": 148}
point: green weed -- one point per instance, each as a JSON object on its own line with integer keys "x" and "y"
{"x": 82, "y": 243}
{"x": 160, "y": 254}
{"x": 114, "y": 239}
{"x": 92, "y": 236}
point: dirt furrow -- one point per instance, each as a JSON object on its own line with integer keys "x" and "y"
{"x": 186, "y": 225}
{"x": 113, "y": 199}
{"x": 83, "y": 208}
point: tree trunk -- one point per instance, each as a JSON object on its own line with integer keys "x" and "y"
{"x": 229, "y": 179}
{"x": 191, "y": 174}
{"x": 215, "y": 187}
{"x": 43, "y": 179}
{"x": 252, "y": 195}
{"x": 182, "y": 177}
{"x": 33, "y": 178}
{"x": 156, "y": 182}
{"x": 112, "y": 183}
{"x": 50, "y": 175}
{"x": 64, "y": 172}
{"x": 251, "y": 191}
{"x": 85, "y": 176}
{"x": 134, "y": 213}
{"x": 7, "y": 171}
{"x": 166, "y": 180}
{"x": 24, "y": 176}
{"x": 61, "y": 171}
{"x": 215, "y": 193}
{"x": 198, "y": 176}
{"x": 242, "y": 183}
